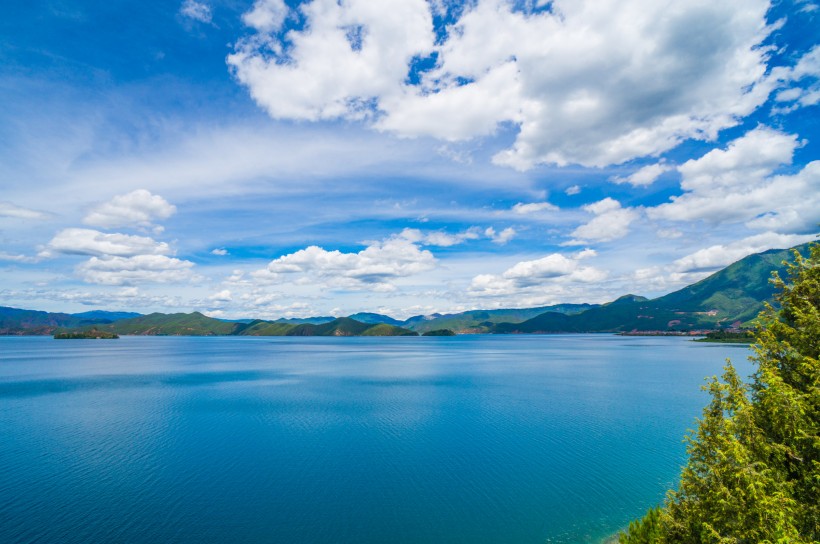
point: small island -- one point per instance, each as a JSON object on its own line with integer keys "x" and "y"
{"x": 95, "y": 334}
{"x": 439, "y": 332}
{"x": 728, "y": 337}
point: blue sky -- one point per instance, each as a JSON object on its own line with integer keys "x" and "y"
{"x": 277, "y": 158}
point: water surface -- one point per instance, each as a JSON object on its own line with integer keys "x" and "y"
{"x": 471, "y": 439}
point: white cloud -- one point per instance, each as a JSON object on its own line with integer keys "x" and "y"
{"x": 198, "y": 11}
{"x": 802, "y": 82}
{"x": 739, "y": 185}
{"x": 7, "y": 209}
{"x": 540, "y": 275}
{"x": 222, "y": 296}
{"x": 440, "y": 238}
{"x": 138, "y": 208}
{"x": 699, "y": 264}
{"x": 644, "y": 176}
{"x": 669, "y": 233}
{"x": 119, "y": 259}
{"x": 135, "y": 270}
{"x": 375, "y": 267}
{"x": 219, "y": 251}
{"x": 502, "y": 237}
{"x": 611, "y": 222}
{"x": 533, "y": 207}
{"x": 348, "y": 54}
{"x": 573, "y": 190}
{"x": 266, "y": 15}
{"x": 92, "y": 242}
{"x": 126, "y": 298}
{"x": 721, "y": 255}
{"x": 17, "y": 258}
{"x": 587, "y": 82}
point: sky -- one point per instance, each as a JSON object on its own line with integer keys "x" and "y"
{"x": 284, "y": 158}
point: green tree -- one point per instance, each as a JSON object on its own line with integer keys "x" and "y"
{"x": 753, "y": 472}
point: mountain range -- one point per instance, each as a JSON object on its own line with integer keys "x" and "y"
{"x": 729, "y": 298}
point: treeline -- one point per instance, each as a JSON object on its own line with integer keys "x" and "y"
{"x": 753, "y": 470}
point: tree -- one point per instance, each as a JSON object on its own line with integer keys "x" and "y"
{"x": 753, "y": 471}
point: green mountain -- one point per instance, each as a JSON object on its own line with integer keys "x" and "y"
{"x": 106, "y": 317}
{"x": 368, "y": 317}
{"x": 196, "y": 324}
{"x": 476, "y": 321}
{"x": 344, "y": 326}
{"x": 318, "y": 320}
{"x": 264, "y": 328}
{"x": 15, "y": 321}
{"x": 156, "y": 324}
{"x": 728, "y": 298}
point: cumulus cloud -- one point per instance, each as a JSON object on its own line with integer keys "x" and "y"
{"x": 502, "y": 237}
{"x": 739, "y": 184}
{"x": 221, "y": 296}
{"x": 219, "y": 251}
{"x": 645, "y": 176}
{"x": 93, "y": 242}
{"x": 138, "y": 208}
{"x": 573, "y": 190}
{"x": 198, "y": 11}
{"x": 528, "y": 277}
{"x": 347, "y": 55}
{"x": 375, "y": 267}
{"x": 586, "y": 82}
{"x": 266, "y": 15}
{"x": 135, "y": 270}
{"x": 703, "y": 262}
{"x": 610, "y": 223}
{"x": 801, "y": 82}
{"x": 7, "y": 209}
{"x": 533, "y": 207}
{"x": 721, "y": 255}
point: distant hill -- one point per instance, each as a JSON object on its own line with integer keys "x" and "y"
{"x": 103, "y": 316}
{"x": 15, "y": 321}
{"x": 367, "y": 317}
{"x": 730, "y": 297}
{"x": 197, "y": 324}
{"x": 344, "y": 326}
{"x": 318, "y": 320}
{"x": 156, "y": 324}
{"x": 476, "y": 321}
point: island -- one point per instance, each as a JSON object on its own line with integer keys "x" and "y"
{"x": 439, "y": 332}
{"x": 94, "y": 334}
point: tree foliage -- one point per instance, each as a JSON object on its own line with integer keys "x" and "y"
{"x": 753, "y": 470}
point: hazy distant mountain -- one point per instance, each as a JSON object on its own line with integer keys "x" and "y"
{"x": 318, "y": 320}
{"x": 483, "y": 320}
{"x": 368, "y": 317}
{"x": 730, "y": 297}
{"x": 102, "y": 315}
{"x": 32, "y": 322}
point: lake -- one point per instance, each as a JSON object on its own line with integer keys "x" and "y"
{"x": 469, "y": 439}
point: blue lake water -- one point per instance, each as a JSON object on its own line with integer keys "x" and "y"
{"x": 472, "y": 439}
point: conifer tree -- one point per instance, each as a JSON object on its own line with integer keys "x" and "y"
{"x": 753, "y": 473}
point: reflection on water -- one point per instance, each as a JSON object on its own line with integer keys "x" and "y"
{"x": 479, "y": 439}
